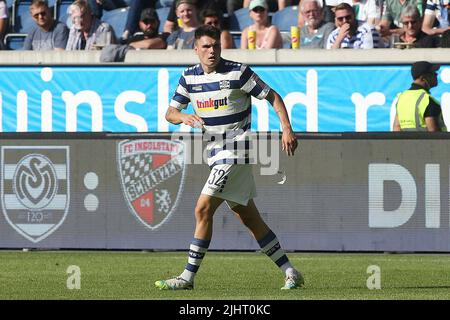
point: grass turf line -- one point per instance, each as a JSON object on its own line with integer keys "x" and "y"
{"x": 224, "y": 276}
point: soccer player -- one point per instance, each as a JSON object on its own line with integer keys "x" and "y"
{"x": 220, "y": 92}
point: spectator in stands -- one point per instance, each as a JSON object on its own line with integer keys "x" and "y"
{"x": 272, "y": 5}
{"x": 171, "y": 23}
{"x": 48, "y": 34}
{"x": 391, "y": 18}
{"x": 328, "y": 12}
{"x": 87, "y": 32}
{"x": 214, "y": 18}
{"x": 412, "y": 26}
{"x": 315, "y": 33}
{"x": 97, "y": 6}
{"x": 348, "y": 34}
{"x": 148, "y": 37}
{"x": 436, "y": 10}
{"x": 366, "y": 10}
{"x": 183, "y": 38}
{"x": 136, "y": 7}
{"x": 3, "y": 23}
{"x": 267, "y": 35}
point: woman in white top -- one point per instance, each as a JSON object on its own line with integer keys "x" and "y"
{"x": 267, "y": 36}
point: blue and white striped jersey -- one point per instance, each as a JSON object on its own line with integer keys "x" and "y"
{"x": 223, "y": 100}
{"x": 366, "y": 37}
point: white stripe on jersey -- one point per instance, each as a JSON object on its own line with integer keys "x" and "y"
{"x": 223, "y": 100}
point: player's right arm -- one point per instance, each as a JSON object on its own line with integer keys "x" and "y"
{"x": 180, "y": 100}
{"x": 175, "y": 116}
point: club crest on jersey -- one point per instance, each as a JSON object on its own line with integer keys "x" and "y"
{"x": 152, "y": 178}
{"x": 35, "y": 189}
{"x": 224, "y": 84}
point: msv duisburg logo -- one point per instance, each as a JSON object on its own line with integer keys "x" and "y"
{"x": 35, "y": 189}
{"x": 152, "y": 178}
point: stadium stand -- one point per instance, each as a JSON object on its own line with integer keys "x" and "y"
{"x": 284, "y": 20}
{"x": 21, "y": 22}
{"x": 239, "y": 20}
{"x": 116, "y": 19}
{"x": 61, "y": 11}
{"x": 162, "y": 12}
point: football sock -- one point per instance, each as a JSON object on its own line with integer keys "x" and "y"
{"x": 197, "y": 251}
{"x": 271, "y": 247}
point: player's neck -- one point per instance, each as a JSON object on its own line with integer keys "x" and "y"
{"x": 207, "y": 69}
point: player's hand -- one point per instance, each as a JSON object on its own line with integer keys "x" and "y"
{"x": 289, "y": 142}
{"x": 344, "y": 31}
{"x": 193, "y": 120}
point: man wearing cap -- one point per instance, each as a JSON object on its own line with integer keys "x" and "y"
{"x": 416, "y": 109}
{"x": 267, "y": 35}
{"x": 148, "y": 37}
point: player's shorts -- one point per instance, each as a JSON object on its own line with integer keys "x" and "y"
{"x": 232, "y": 182}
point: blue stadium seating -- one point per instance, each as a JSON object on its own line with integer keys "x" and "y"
{"x": 162, "y": 15}
{"x": 116, "y": 19}
{"x": 236, "y": 35}
{"x": 14, "y": 41}
{"x": 239, "y": 20}
{"x": 22, "y": 21}
{"x": 285, "y": 18}
{"x": 61, "y": 10}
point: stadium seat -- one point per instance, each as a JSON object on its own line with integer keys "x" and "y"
{"x": 162, "y": 15}
{"x": 14, "y": 41}
{"x": 285, "y": 18}
{"x": 116, "y": 19}
{"x": 236, "y": 35}
{"x": 61, "y": 11}
{"x": 239, "y": 20}
{"x": 22, "y": 22}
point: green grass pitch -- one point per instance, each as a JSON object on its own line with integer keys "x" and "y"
{"x": 223, "y": 275}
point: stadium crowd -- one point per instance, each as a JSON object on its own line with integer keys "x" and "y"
{"x": 170, "y": 24}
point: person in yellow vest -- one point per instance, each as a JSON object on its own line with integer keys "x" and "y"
{"x": 416, "y": 109}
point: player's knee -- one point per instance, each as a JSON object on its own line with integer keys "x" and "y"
{"x": 203, "y": 213}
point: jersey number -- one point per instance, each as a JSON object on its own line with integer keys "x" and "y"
{"x": 217, "y": 178}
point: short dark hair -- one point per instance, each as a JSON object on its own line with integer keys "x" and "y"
{"x": 207, "y": 30}
{"x": 344, "y": 6}
{"x": 39, "y": 3}
{"x": 211, "y": 12}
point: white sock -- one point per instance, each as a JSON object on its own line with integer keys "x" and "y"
{"x": 288, "y": 268}
{"x": 188, "y": 275}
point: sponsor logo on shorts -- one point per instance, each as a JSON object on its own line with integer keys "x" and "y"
{"x": 152, "y": 178}
{"x": 35, "y": 189}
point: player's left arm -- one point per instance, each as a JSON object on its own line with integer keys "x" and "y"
{"x": 288, "y": 140}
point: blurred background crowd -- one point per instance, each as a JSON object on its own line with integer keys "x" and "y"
{"x": 122, "y": 25}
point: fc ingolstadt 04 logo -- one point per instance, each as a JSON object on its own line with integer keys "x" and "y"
{"x": 35, "y": 190}
{"x": 152, "y": 178}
